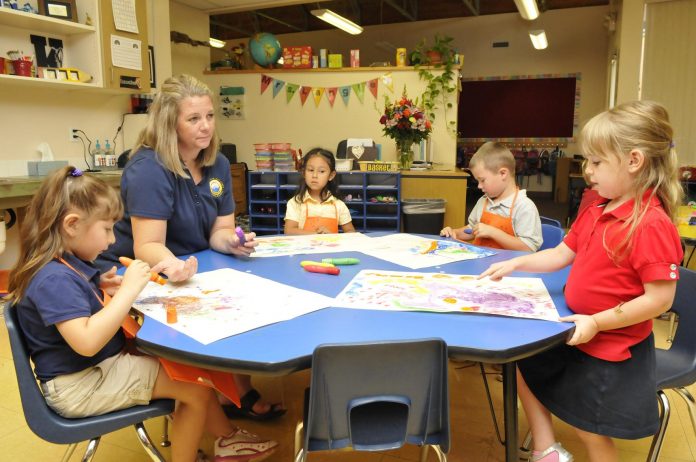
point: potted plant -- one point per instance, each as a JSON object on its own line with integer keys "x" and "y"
{"x": 439, "y": 56}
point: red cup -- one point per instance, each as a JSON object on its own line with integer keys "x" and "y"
{"x": 22, "y": 67}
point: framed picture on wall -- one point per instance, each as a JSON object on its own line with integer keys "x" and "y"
{"x": 61, "y": 9}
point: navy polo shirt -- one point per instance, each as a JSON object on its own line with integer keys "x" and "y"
{"x": 149, "y": 190}
{"x": 55, "y": 294}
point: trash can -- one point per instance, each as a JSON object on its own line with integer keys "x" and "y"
{"x": 423, "y": 216}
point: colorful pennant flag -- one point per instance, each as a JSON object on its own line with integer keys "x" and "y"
{"x": 388, "y": 82}
{"x": 318, "y": 93}
{"x": 372, "y": 85}
{"x": 265, "y": 82}
{"x": 304, "y": 93}
{"x": 359, "y": 89}
{"x": 277, "y": 86}
{"x": 345, "y": 94}
{"x": 290, "y": 91}
{"x": 331, "y": 95}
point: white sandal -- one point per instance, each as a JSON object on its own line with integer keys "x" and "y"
{"x": 563, "y": 455}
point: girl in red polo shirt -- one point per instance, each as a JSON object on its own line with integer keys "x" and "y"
{"x": 624, "y": 249}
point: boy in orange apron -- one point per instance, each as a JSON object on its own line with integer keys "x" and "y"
{"x": 315, "y": 209}
{"x": 504, "y": 217}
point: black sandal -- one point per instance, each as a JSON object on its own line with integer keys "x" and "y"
{"x": 247, "y": 409}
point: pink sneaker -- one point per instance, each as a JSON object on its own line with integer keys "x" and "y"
{"x": 242, "y": 446}
{"x": 554, "y": 453}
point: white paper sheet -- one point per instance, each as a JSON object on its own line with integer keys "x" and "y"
{"x": 419, "y": 252}
{"x": 275, "y": 246}
{"x": 125, "y": 18}
{"x": 125, "y": 53}
{"x": 225, "y": 302}
{"x": 406, "y": 291}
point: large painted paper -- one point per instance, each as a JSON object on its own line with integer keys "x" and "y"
{"x": 225, "y": 302}
{"x": 419, "y": 252}
{"x": 276, "y": 246}
{"x": 406, "y": 291}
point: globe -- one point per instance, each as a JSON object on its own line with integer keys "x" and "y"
{"x": 265, "y": 49}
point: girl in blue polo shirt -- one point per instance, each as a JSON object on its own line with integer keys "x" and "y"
{"x": 76, "y": 346}
{"x": 625, "y": 250}
{"x": 315, "y": 207}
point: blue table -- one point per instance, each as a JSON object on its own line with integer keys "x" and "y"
{"x": 286, "y": 347}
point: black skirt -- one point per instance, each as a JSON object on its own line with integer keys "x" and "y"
{"x": 616, "y": 399}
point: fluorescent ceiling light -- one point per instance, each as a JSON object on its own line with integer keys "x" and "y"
{"x": 528, "y": 9}
{"x": 215, "y": 43}
{"x": 338, "y": 21}
{"x": 538, "y": 39}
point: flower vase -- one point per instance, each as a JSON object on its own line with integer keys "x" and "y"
{"x": 404, "y": 152}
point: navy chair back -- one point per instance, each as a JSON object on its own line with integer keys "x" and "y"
{"x": 48, "y": 425}
{"x": 550, "y": 221}
{"x": 378, "y": 396}
{"x": 552, "y": 236}
{"x": 676, "y": 367}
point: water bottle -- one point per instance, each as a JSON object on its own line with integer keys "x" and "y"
{"x": 109, "y": 157}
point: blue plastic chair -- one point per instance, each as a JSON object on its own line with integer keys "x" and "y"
{"x": 375, "y": 397}
{"x": 550, "y": 221}
{"x": 676, "y": 367}
{"x": 49, "y": 426}
{"x": 552, "y": 236}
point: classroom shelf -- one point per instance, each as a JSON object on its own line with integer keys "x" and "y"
{"x": 270, "y": 191}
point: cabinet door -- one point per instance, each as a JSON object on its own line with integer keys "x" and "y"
{"x": 123, "y": 77}
{"x": 238, "y": 172}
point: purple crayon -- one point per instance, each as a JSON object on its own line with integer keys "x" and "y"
{"x": 468, "y": 230}
{"x": 240, "y": 234}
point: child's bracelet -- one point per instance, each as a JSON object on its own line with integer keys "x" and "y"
{"x": 617, "y": 308}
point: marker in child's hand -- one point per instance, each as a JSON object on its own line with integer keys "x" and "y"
{"x": 341, "y": 261}
{"x": 240, "y": 234}
{"x": 322, "y": 269}
{"x": 304, "y": 263}
{"x": 154, "y": 277}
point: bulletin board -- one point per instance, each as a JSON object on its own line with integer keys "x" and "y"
{"x": 519, "y": 109}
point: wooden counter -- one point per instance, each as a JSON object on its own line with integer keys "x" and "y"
{"x": 17, "y": 191}
{"x": 438, "y": 184}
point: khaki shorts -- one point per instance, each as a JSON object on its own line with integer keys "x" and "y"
{"x": 118, "y": 382}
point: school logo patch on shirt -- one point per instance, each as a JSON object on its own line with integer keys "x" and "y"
{"x": 216, "y": 187}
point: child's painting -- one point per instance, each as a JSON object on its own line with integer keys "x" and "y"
{"x": 276, "y": 246}
{"x": 221, "y": 303}
{"x": 419, "y": 252}
{"x": 404, "y": 291}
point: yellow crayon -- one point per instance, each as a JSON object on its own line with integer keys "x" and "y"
{"x": 304, "y": 263}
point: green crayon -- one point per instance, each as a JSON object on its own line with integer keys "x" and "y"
{"x": 341, "y": 261}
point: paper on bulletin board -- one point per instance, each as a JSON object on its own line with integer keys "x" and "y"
{"x": 125, "y": 53}
{"x": 232, "y": 103}
{"x": 125, "y": 18}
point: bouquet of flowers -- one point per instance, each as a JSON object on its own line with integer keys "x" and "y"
{"x": 405, "y": 123}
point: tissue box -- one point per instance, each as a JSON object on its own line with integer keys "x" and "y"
{"x": 38, "y": 168}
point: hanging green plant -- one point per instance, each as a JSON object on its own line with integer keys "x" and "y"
{"x": 440, "y": 56}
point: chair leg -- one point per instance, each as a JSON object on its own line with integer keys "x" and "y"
{"x": 147, "y": 444}
{"x": 526, "y": 447}
{"x": 656, "y": 445}
{"x": 690, "y": 404}
{"x": 91, "y": 449}
{"x": 68, "y": 452}
{"x": 441, "y": 456}
{"x": 672, "y": 317}
{"x": 165, "y": 434}
{"x": 424, "y": 453}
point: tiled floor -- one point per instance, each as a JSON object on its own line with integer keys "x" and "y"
{"x": 473, "y": 437}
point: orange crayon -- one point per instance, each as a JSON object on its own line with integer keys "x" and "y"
{"x": 154, "y": 277}
{"x": 171, "y": 313}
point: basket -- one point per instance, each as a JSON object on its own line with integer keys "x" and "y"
{"x": 344, "y": 165}
{"x": 378, "y": 166}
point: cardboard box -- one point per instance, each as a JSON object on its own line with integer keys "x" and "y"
{"x": 354, "y": 58}
{"x": 38, "y": 168}
{"x": 297, "y": 57}
{"x": 335, "y": 60}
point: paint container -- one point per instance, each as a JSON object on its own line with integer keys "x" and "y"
{"x": 400, "y": 57}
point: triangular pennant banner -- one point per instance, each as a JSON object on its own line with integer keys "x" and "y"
{"x": 318, "y": 93}
{"x": 372, "y": 85}
{"x": 265, "y": 82}
{"x": 331, "y": 95}
{"x": 388, "y": 82}
{"x": 359, "y": 89}
{"x": 345, "y": 94}
{"x": 277, "y": 86}
{"x": 290, "y": 91}
{"x": 304, "y": 93}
